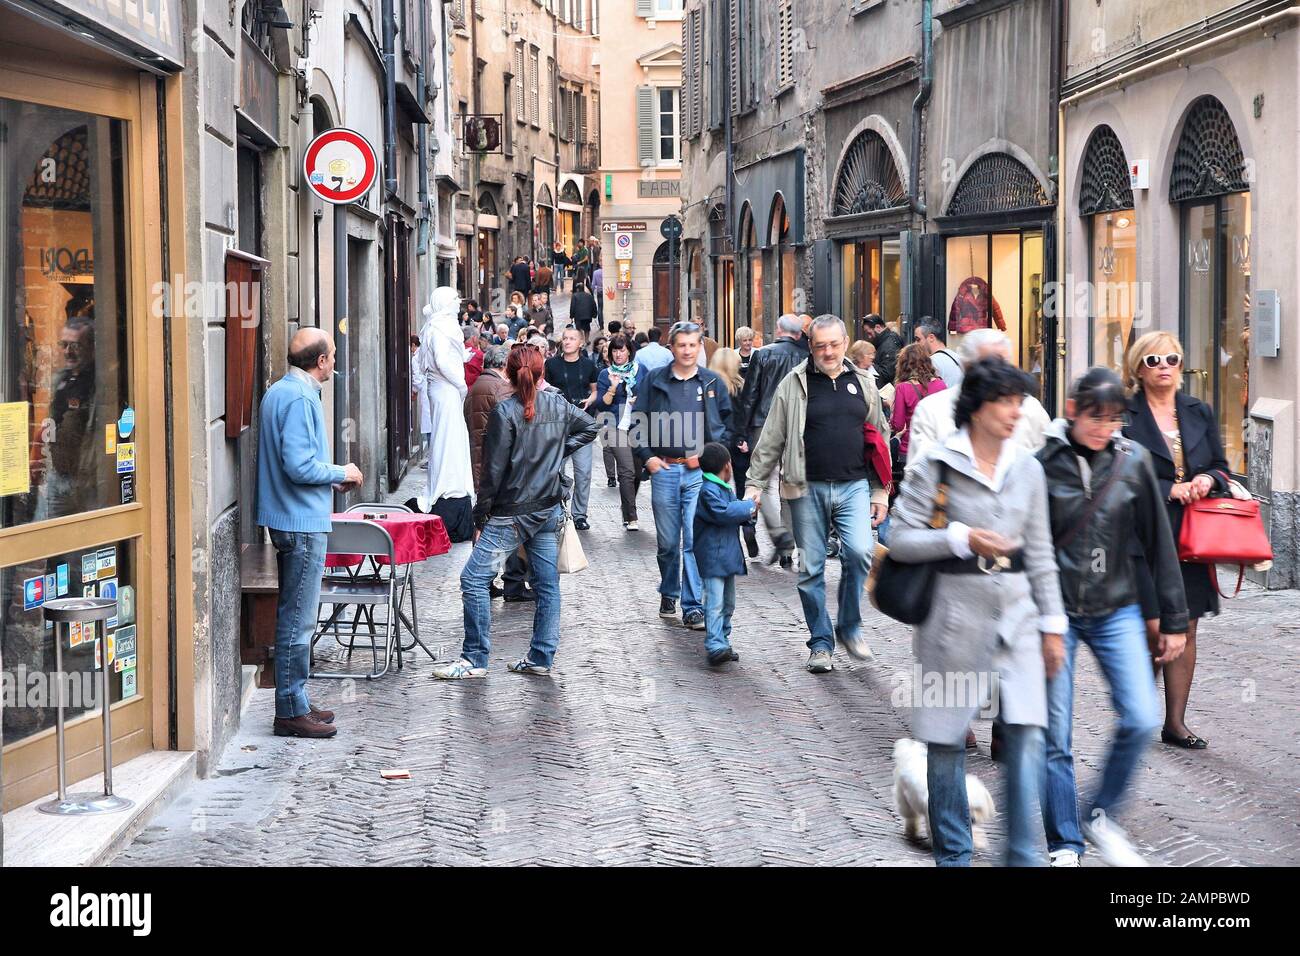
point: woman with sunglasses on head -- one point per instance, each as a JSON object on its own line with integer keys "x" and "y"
{"x": 1182, "y": 434}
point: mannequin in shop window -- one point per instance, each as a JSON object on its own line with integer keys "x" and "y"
{"x": 973, "y": 306}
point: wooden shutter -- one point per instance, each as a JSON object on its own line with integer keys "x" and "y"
{"x": 534, "y": 91}
{"x": 646, "y": 140}
{"x": 645, "y": 8}
{"x": 521, "y": 83}
{"x": 785, "y": 66}
{"x": 551, "y": 91}
{"x": 733, "y": 64}
{"x": 582, "y": 117}
{"x": 696, "y": 74}
{"x": 243, "y": 324}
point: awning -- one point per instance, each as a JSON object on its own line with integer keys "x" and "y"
{"x": 409, "y": 105}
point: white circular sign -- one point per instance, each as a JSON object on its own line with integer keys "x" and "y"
{"x": 340, "y": 166}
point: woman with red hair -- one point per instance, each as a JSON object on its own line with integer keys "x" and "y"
{"x": 520, "y": 502}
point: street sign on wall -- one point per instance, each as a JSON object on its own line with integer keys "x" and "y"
{"x": 622, "y": 245}
{"x": 340, "y": 166}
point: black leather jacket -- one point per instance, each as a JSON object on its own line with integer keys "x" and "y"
{"x": 1097, "y": 562}
{"x": 767, "y": 367}
{"x": 523, "y": 462}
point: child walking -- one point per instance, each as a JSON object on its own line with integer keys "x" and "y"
{"x": 718, "y": 518}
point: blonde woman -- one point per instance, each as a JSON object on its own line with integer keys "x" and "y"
{"x": 727, "y": 363}
{"x": 1182, "y": 434}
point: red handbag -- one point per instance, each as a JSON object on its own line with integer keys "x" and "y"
{"x": 1224, "y": 531}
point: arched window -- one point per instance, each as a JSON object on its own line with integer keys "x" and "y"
{"x": 1106, "y": 205}
{"x": 487, "y": 205}
{"x": 868, "y": 180}
{"x": 997, "y": 182}
{"x": 782, "y": 254}
{"x": 751, "y": 258}
{"x": 569, "y": 193}
{"x": 1208, "y": 181}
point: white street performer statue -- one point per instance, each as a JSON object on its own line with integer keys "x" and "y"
{"x": 442, "y": 360}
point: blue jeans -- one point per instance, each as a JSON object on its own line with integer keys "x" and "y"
{"x": 950, "y": 833}
{"x": 1118, "y": 640}
{"x": 300, "y": 560}
{"x": 498, "y": 541}
{"x": 674, "y": 489}
{"x": 719, "y": 605}
{"x": 581, "y": 460}
{"x": 845, "y": 505}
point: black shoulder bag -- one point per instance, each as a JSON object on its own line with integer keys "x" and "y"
{"x": 905, "y": 591}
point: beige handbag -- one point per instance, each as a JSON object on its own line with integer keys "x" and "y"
{"x": 571, "y": 558}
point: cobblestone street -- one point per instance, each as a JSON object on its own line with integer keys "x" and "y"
{"x": 635, "y": 752}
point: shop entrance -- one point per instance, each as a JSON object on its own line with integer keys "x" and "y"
{"x": 872, "y": 271}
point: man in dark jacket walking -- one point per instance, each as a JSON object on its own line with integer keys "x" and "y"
{"x": 521, "y": 277}
{"x": 583, "y": 310}
{"x": 888, "y": 343}
{"x": 768, "y": 366}
{"x": 680, "y": 408}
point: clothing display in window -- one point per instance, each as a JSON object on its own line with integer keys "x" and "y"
{"x": 972, "y": 306}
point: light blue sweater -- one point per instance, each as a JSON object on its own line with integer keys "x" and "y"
{"x": 294, "y": 473}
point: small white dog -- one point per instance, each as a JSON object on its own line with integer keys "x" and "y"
{"x": 912, "y": 794}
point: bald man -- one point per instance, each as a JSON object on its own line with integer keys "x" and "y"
{"x": 294, "y": 477}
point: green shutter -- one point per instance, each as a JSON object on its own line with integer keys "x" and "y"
{"x": 646, "y": 143}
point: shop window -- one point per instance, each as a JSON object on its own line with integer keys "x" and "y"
{"x": 1106, "y": 203}
{"x": 27, "y": 644}
{"x": 782, "y": 256}
{"x": 995, "y": 280}
{"x": 63, "y": 350}
{"x": 872, "y": 273}
{"x": 1209, "y": 179}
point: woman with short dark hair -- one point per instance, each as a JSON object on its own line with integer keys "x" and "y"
{"x": 996, "y": 619}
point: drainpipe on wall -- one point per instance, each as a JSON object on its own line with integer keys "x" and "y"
{"x": 918, "y": 107}
{"x": 390, "y": 102}
{"x": 1120, "y": 80}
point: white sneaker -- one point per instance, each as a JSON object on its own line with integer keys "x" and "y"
{"x": 1112, "y": 843}
{"x": 631, "y": 526}
{"x": 1063, "y": 858}
{"x": 458, "y": 670}
{"x": 857, "y": 647}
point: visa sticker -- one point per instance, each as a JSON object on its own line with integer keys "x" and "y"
{"x": 61, "y": 574}
{"x": 126, "y": 424}
{"x": 106, "y": 563}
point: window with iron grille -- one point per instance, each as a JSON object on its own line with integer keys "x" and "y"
{"x": 1208, "y": 161}
{"x": 256, "y": 24}
{"x": 1105, "y": 183}
{"x": 996, "y": 183}
{"x": 868, "y": 178}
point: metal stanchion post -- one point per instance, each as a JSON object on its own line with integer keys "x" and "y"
{"x": 64, "y": 612}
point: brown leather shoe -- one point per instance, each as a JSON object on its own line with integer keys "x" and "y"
{"x": 304, "y": 726}
{"x": 324, "y": 716}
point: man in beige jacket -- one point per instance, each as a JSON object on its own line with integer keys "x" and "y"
{"x": 814, "y": 432}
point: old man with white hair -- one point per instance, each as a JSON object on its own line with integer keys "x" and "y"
{"x": 932, "y": 421}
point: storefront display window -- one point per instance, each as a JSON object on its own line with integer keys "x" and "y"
{"x": 27, "y": 644}
{"x": 1114, "y": 282}
{"x": 872, "y": 274}
{"x": 64, "y": 364}
{"x": 995, "y": 280}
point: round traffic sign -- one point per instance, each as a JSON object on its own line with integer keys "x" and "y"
{"x": 340, "y": 166}
{"x": 671, "y": 228}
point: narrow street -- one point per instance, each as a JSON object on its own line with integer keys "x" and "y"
{"x": 635, "y": 752}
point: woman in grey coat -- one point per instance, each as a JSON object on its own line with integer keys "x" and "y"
{"x": 994, "y": 630}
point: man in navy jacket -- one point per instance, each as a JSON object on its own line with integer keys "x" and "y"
{"x": 679, "y": 409}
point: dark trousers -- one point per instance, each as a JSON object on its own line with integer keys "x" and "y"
{"x": 515, "y": 575}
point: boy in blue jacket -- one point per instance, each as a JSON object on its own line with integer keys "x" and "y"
{"x": 718, "y": 517}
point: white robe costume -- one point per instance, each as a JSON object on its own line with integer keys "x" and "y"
{"x": 442, "y": 361}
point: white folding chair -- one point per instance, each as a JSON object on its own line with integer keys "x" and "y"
{"x": 367, "y": 593}
{"x": 405, "y": 574}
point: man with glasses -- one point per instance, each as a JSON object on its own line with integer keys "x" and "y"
{"x": 814, "y": 431}
{"x": 681, "y": 407}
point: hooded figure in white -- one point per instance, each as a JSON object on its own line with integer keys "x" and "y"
{"x": 442, "y": 361}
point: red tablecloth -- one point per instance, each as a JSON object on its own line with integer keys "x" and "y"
{"x": 415, "y": 537}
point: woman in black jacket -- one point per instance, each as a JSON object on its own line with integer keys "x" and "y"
{"x": 1182, "y": 435}
{"x": 1102, "y": 493}
{"x": 520, "y": 502}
